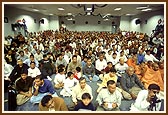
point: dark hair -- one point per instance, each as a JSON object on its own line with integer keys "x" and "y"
{"x": 113, "y": 70}
{"x": 89, "y": 58}
{"x": 109, "y": 62}
{"x": 21, "y": 51}
{"x": 60, "y": 70}
{"x": 44, "y": 55}
{"x": 32, "y": 55}
{"x": 59, "y": 55}
{"x": 74, "y": 56}
{"x": 32, "y": 62}
{"x": 45, "y": 100}
{"x": 61, "y": 66}
{"x": 39, "y": 77}
{"x": 114, "y": 53}
{"x": 78, "y": 69}
{"x": 81, "y": 78}
{"x": 153, "y": 86}
{"x": 110, "y": 82}
{"x": 86, "y": 96}
{"x": 69, "y": 74}
{"x": 24, "y": 72}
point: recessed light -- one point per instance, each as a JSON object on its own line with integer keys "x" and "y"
{"x": 141, "y": 7}
{"x": 35, "y": 10}
{"x": 69, "y": 13}
{"x": 148, "y": 9}
{"x": 116, "y": 9}
{"x": 60, "y": 8}
{"x": 130, "y": 14}
{"x": 88, "y": 9}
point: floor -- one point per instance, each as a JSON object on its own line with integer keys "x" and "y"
{"x": 125, "y": 104}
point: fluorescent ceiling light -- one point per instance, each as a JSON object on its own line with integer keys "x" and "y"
{"x": 51, "y": 14}
{"x": 70, "y": 19}
{"x": 148, "y": 9}
{"x": 116, "y": 9}
{"x": 141, "y": 7}
{"x": 35, "y": 10}
{"x": 130, "y": 14}
{"x": 69, "y": 13}
{"x": 60, "y": 8}
{"x": 88, "y": 9}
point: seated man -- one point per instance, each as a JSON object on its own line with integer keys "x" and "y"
{"x": 59, "y": 79}
{"x": 153, "y": 75}
{"x": 109, "y": 99}
{"x": 121, "y": 68}
{"x": 147, "y": 100}
{"x": 24, "y": 88}
{"x": 130, "y": 84}
{"x": 41, "y": 87}
{"x": 49, "y": 103}
{"x": 109, "y": 76}
{"x": 89, "y": 71}
{"x": 69, "y": 84}
{"x": 18, "y": 69}
{"x": 79, "y": 89}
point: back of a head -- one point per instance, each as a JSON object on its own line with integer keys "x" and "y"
{"x": 45, "y": 100}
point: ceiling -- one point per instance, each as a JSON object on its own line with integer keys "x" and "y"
{"x": 76, "y": 9}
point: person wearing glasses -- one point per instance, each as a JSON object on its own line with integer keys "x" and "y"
{"x": 148, "y": 100}
{"x": 49, "y": 103}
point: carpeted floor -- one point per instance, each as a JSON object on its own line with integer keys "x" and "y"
{"x": 125, "y": 104}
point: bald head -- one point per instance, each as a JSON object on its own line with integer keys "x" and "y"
{"x": 130, "y": 71}
{"x": 155, "y": 66}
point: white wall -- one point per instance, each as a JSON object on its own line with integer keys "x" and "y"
{"x": 151, "y": 18}
{"x": 14, "y": 14}
{"x": 54, "y": 23}
{"x": 125, "y": 23}
{"x": 92, "y": 23}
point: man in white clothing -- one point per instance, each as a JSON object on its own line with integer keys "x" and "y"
{"x": 59, "y": 79}
{"x": 150, "y": 57}
{"x": 101, "y": 63}
{"x": 69, "y": 84}
{"x": 80, "y": 89}
{"x": 33, "y": 71}
{"x": 148, "y": 100}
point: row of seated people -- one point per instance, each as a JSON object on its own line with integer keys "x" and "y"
{"x": 127, "y": 84}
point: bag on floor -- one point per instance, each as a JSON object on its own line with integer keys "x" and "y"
{"x": 12, "y": 99}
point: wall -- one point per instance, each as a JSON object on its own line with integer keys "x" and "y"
{"x": 148, "y": 21}
{"x": 32, "y": 20}
{"x": 125, "y": 23}
{"x": 92, "y": 23}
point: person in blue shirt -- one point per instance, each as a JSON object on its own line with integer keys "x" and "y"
{"x": 140, "y": 57}
{"x": 42, "y": 87}
{"x": 85, "y": 104}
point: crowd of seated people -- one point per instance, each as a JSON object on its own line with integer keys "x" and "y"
{"x": 75, "y": 58}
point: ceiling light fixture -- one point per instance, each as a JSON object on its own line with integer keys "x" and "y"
{"x": 148, "y": 9}
{"x": 117, "y": 9}
{"x": 61, "y": 9}
{"x": 35, "y": 10}
{"x": 141, "y": 7}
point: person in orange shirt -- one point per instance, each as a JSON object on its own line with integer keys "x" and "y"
{"x": 153, "y": 75}
{"x": 132, "y": 61}
{"x": 140, "y": 70}
{"x": 161, "y": 69}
